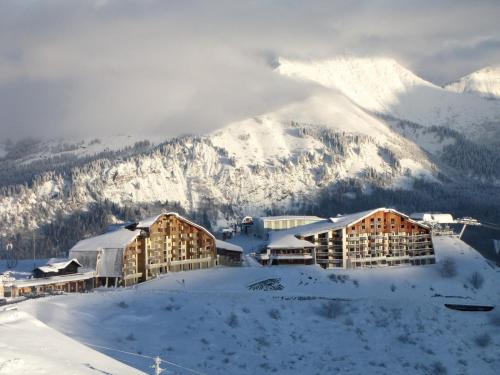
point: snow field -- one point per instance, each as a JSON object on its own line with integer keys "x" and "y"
{"x": 388, "y": 320}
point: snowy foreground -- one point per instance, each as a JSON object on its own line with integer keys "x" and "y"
{"x": 374, "y": 321}
{"x": 28, "y": 346}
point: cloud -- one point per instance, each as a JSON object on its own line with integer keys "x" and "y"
{"x": 175, "y": 67}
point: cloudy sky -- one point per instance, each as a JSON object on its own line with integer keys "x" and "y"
{"x": 84, "y": 68}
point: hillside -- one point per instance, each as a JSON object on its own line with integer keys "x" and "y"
{"x": 389, "y": 320}
{"x": 373, "y": 132}
{"x": 484, "y": 82}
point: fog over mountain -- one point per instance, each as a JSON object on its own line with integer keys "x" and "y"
{"x": 177, "y": 67}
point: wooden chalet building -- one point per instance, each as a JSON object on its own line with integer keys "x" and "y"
{"x": 60, "y": 268}
{"x": 164, "y": 243}
{"x": 379, "y": 237}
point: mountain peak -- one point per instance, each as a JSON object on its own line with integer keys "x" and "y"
{"x": 484, "y": 82}
{"x": 374, "y": 83}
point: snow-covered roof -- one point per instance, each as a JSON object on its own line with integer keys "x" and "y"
{"x": 23, "y": 283}
{"x": 56, "y": 266}
{"x": 228, "y": 246}
{"x": 117, "y": 239}
{"x": 286, "y": 240}
{"x": 433, "y": 217}
{"x": 146, "y": 223}
{"x": 339, "y": 222}
{"x": 289, "y": 217}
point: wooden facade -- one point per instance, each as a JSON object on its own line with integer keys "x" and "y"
{"x": 71, "y": 283}
{"x": 169, "y": 243}
{"x": 77, "y": 286}
{"x": 384, "y": 237}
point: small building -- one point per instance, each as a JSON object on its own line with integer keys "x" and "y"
{"x": 60, "y": 268}
{"x": 229, "y": 254}
{"x": 267, "y": 224}
{"x": 227, "y": 233}
{"x": 285, "y": 248}
{"x": 432, "y": 218}
{"x": 247, "y": 220}
{"x": 70, "y": 280}
{"x": 69, "y": 283}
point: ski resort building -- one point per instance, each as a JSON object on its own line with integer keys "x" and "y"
{"x": 379, "y": 237}
{"x": 163, "y": 243}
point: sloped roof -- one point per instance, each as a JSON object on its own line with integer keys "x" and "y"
{"x": 339, "y": 222}
{"x": 117, "y": 239}
{"x": 146, "y": 223}
{"x": 286, "y": 240}
{"x": 23, "y": 283}
{"x": 55, "y": 267}
{"x": 228, "y": 246}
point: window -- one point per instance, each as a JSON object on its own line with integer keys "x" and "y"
{"x": 353, "y": 228}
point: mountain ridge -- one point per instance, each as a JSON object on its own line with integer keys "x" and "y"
{"x": 284, "y": 160}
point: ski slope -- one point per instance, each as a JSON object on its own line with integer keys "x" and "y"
{"x": 384, "y": 320}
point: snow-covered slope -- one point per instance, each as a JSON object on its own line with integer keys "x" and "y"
{"x": 383, "y": 86}
{"x": 28, "y": 346}
{"x": 366, "y": 321}
{"x": 484, "y": 82}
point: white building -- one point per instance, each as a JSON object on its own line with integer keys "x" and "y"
{"x": 267, "y": 224}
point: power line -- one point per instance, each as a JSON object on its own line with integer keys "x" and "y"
{"x": 156, "y": 359}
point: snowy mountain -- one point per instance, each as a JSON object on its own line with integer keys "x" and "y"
{"x": 371, "y": 133}
{"x": 484, "y": 82}
{"x": 383, "y": 86}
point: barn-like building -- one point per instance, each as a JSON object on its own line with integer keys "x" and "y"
{"x": 379, "y": 237}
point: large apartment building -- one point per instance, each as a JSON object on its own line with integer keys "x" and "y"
{"x": 379, "y": 237}
{"x": 164, "y": 243}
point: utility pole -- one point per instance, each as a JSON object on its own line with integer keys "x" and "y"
{"x": 156, "y": 366}
{"x": 34, "y": 251}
